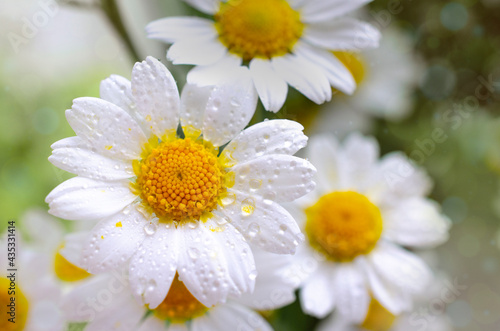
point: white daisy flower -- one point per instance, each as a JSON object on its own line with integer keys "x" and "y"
{"x": 169, "y": 205}
{"x": 356, "y": 222}
{"x": 107, "y": 303}
{"x": 42, "y": 274}
{"x": 34, "y": 288}
{"x": 282, "y": 42}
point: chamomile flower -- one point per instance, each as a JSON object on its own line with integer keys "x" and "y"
{"x": 171, "y": 203}
{"x": 106, "y": 303}
{"x": 357, "y": 221}
{"x": 283, "y": 42}
{"x": 30, "y": 281}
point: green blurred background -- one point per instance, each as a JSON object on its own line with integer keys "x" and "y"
{"x": 459, "y": 42}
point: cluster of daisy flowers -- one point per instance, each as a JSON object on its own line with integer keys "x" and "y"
{"x": 190, "y": 219}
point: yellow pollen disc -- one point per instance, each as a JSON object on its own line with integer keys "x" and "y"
{"x": 258, "y": 28}
{"x": 180, "y": 180}
{"x": 179, "y": 305}
{"x": 67, "y": 271}
{"x": 354, "y": 62}
{"x": 10, "y": 290}
{"x": 343, "y": 225}
{"x": 378, "y": 318}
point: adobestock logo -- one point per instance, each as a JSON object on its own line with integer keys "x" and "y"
{"x": 30, "y": 26}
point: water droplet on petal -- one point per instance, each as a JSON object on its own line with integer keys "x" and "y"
{"x": 252, "y": 275}
{"x": 255, "y": 184}
{"x": 193, "y": 252}
{"x": 150, "y": 228}
{"x": 247, "y": 207}
{"x": 253, "y": 229}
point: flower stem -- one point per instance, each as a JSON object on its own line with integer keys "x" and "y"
{"x": 112, "y": 12}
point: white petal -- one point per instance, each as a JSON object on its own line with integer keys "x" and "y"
{"x": 321, "y": 10}
{"x": 271, "y": 87}
{"x": 351, "y": 292}
{"x": 393, "y": 298}
{"x": 273, "y": 289}
{"x": 224, "y": 70}
{"x": 196, "y": 52}
{"x": 202, "y": 266}
{"x": 323, "y": 153}
{"x": 416, "y": 222}
{"x": 77, "y": 303}
{"x": 155, "y": 324}
{"x": 76, "y": 156}
{"x": 121, "y": 315}
{"x": 337, "y": 323}
{"x": 281, "y": 178}
{"x": 152, "y": 269}
{"x": 194, "y": 101}
{"x": 347, "y": 34}
{"x": 337, "y": 73}
{"x": 86, "y": 199}
{"x": 264, "y": 138}
{"x": 237, "y": 254}
{"x": 400, "y": 178}
{"x": 173, "y": 29}
{"x": 72, "y": 301}
{"x": 206, "y": 6}
{"x": 229, "y": 109}
{"x": 73, "y": 247}
{"x": 317, "y": 297}
{"x": 235, "y": 317}
{"x": 399, "y": 267}
{"x": 359, "y": 158}
{"x": 113, "y": 241}
{"x": 263, "y": 222}
{"x": 305, "y": 76}
{"x": 110, "y": 130}
{"x": 156, "y": 96}
{"x": 117, "y": 90}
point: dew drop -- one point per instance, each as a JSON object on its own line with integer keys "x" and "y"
{"x": 255, "y": 184}
{"x": 252, "y": 275}
{"x": 193, "y": 253}
{"x": 253, "y": 229}
{"x": 151, "y": 285}
{"x": 228, "y": 199}
{"x": 247, "y": 207}
{"x": 150, "y": 228}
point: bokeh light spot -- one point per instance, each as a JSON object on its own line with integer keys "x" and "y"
{"x": 454, "y": 16}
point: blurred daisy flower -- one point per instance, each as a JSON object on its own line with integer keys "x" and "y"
{"x": 36, "y": 290}
{"x": 172, "y": 201}
{"x": 281, "y": 41}
{"x": 106, "y": 303}
{"x": 356, "y": 222}
{"x": 383, "y": 91}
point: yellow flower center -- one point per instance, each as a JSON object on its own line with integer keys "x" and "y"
{"x": 179, "y": 305}
{"x": 343, "y": 225}
{"x": 67, "y": 271}
{"x": 180, "y": 180}
{"x": 354, "y": 62}
{"x": 16, "y": 309}
{"x": 378, "y": 318}
{"x": 258, "y": 28}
